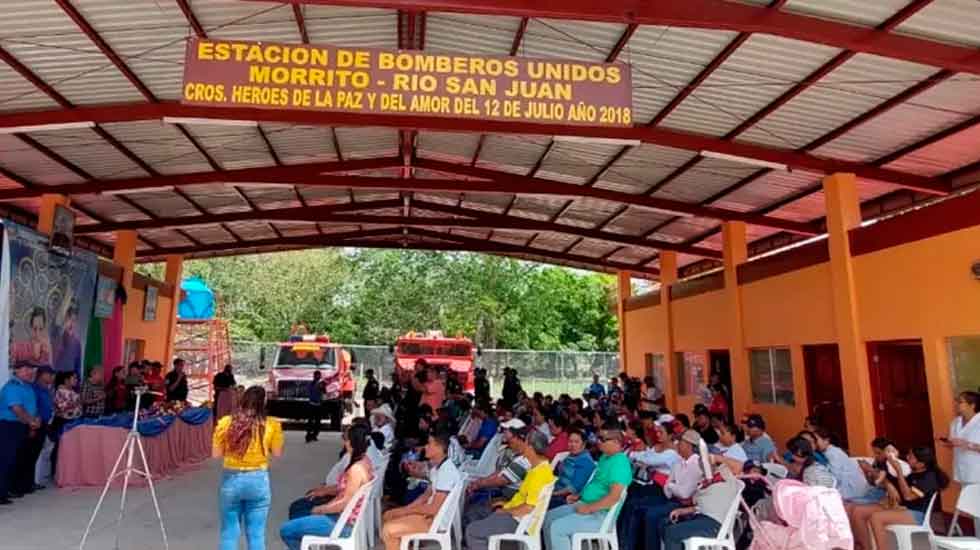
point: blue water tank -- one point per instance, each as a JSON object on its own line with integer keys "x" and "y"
{"x": 198, "y": 302}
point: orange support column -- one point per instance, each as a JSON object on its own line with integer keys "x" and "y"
{"x": 668, "y": 276}
{"x": 124, "y": 255}
{"x": 844, "y": 214}
{"x": 736, "y": 252}
{"x": 45, "y": 215}
{"x": 174, "y": 273}
{"x": 624, "y": 289}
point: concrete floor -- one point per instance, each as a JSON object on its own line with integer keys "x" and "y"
{"x": 55, "y": 518}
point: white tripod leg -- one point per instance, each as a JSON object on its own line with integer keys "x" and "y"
{"x": 153, "y": 493}
{"x": 130, "y": 443}
{"x": 105, "y": 491}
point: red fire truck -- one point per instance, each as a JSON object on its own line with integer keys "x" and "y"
{"x": 457, "y": 355}
{"x": 292, "y": 371}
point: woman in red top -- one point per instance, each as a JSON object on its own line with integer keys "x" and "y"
{"x": 117, "y": 394}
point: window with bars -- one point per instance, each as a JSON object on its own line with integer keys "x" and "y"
{"x": 690, "y": 368}
{"x": 964, "y": 362}
{"x": 654, "y": 367}
{"x": 771, "y": 371}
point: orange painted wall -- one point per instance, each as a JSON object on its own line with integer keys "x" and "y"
{"x": 154, "y": 333}
{"x": 645, "y": 335}
{"x": 922, "y": 290}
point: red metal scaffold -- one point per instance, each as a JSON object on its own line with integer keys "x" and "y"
{"x": 204, "y": 345}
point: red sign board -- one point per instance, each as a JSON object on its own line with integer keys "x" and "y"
{"x": 231, "y": 73}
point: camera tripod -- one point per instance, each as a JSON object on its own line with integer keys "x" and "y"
{"x": 133, "y": 442}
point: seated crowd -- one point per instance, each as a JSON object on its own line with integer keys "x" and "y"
{"x": 37, "y": 403}
{"x": 616, "y": 450}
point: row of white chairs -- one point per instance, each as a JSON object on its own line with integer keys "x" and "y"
{"x": 967, "y": 504}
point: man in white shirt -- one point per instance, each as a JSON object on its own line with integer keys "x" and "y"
{"x": 383, "y": 422}
{"x": 417, "y": 517}
{"x": 682, "y": 482}
{"x": 964, "y": 438}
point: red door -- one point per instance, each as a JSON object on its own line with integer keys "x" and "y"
{"x": 901, "y": 395}
{"x": 825, "y": 391}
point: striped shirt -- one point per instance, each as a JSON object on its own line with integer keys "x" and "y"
{"x": 93, "y": 399}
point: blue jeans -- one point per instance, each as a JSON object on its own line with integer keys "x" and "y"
{"x": 292, "y": 531}
{"x": 629, "y": 524}
{"x": 244, "y": 497}
{"x": 562, "y": 522}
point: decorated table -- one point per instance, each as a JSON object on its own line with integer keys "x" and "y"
{"x": 173, "y": 438}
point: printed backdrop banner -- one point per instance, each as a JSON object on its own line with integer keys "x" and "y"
{"x": 50, "y": 301}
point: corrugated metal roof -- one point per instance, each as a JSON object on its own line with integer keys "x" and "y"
{"x": 217, "y": 198}
{"x": 953, "y": 21}
{"x": 109, "y": 207}
{"x": 85, "y": 149}
{"x": 352, "y": 27}
{"x": 29, "y": 163}
{"x": 509, "y": 153}
{"x": 473, "y": 34}
{"x": 944, "y": 156}
{"x": 160, "y": 145}
{"x": 585, "y": 212}
{"x": 758, "y": 72}
{"x": 706, "y": 178}
{"x": 446, "y": 146}
{"x": 665, "y": 60}
{"x": 576, "y": 162}
{"x": 232, "y": 146}
{"x": 357, "y": 143}
{"x": 869, "y": 14}
{"x": 301, "y": 144}
{"x": 565, "y": 39}
{"x": 855, "y": 87}
{"x": 643, "y": 167}
{"x": 768, "y": 189}
{"x": 17, "y": 94}
{"x": 257, "y": 21}
{"x": 148, "y": 35}
{"x": 44, "y": 39}
{"x": 637, "y": 221}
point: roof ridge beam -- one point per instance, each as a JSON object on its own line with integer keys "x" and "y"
{"x": 706, "y": 14}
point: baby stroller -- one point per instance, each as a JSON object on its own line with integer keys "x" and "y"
{"x": 812, "y": 518}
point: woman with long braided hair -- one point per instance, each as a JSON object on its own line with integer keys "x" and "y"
{"x": 246, "y": 440}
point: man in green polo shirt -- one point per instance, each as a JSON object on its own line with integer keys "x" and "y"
{"x": 584, "y": 513}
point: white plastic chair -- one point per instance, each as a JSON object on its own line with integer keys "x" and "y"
{"x": 441, "y": 530}
{"x": 488, "y": 460}
{"x": 904, "y": 533}
{"x": 528, "y": 532}
{"x": 726, "y": 535}
{"x": 373, "y": 506}
{"x": 458, "y": 518}
{"x": 356, "y": 539}
{"x": 559, "y": 457}
{"x": 605, "y": 537}
{"x": 969, "y": 504}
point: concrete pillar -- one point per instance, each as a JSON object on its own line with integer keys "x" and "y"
{"x": 734, "y": 253}
{"x": 45, "y": 214}
{"x": 624, "y": 289}
{"x": 844, "y": 214}
{"x": 668, "y": 276}
{"x": 173, "y": 276}
{"x": 124, "y": 255}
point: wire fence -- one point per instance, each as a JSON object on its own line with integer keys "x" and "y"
{"x": 548, "y": 372}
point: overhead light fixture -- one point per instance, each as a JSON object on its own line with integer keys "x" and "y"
{"x": 47, "y": 127}
{"x": 211, "y": 121}
{"x": 598, "y": 141}
{"x": 745, "y": 160}
{"x": 113, "y": 192}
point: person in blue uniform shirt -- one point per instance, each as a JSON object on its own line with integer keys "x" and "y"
{"x": 18, "y": 417}
{"x": 30, "y": 450}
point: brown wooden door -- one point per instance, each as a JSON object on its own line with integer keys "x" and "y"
{"x": 825, "y": 392}
{"x": 900, "y": 393}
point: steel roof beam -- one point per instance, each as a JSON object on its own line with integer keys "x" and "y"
{"x": 268, "y": 174}
{"x": 654, "y": 135}
{"x": 705, "y": 14}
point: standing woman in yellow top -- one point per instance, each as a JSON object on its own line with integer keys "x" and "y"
{"x": 246, "y": 440}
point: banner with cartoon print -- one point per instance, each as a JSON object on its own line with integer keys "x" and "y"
{"x": 50, "y": 304}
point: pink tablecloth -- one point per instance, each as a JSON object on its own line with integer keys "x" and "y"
{"x": 87, "y": 453}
